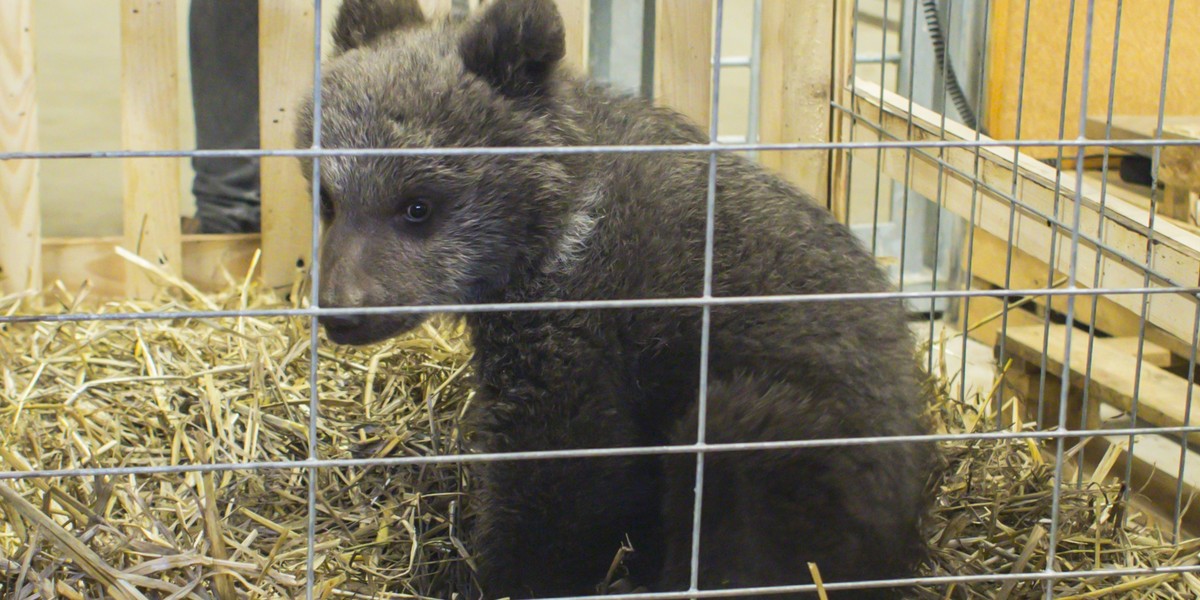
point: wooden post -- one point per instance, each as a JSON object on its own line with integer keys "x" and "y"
{"x": 575, "y": 16}
{"x": 683, "y": 38}
{"x": 797, "y": 87}
{"x": 843, "y": 61}
{"x": 20, "y": 226}
{"x": 285, "y": 76}
{"x": 150, "y": 121}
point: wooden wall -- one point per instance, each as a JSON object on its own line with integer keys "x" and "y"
{"x": 1139, "y": 64}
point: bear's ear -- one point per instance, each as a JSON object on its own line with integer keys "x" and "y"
{"x": 515, "y": 45}
{"x": 360, "y": 22}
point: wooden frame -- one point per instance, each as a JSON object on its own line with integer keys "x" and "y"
{"x": 20, "y": 225}
{"x": 150, "y": 121}
{"x": 1123, "y": 227}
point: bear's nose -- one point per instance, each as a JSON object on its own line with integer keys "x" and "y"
{"x": 340, "y": 321}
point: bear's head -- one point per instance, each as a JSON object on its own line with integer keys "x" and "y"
{"x": 403, "y": 230}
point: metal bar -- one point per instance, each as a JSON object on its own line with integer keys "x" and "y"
{"x": 606, "y": 149}
{"x": 706, "y": 321}
{"x": 1072, "y": 277}
{"x": 1012, "y": 209}
{"x": 707, "y": 448}
{"x": 314, "y": 300}
{"x": 585, "y": 304}
{"x": 1112, "y": 96}
{"x": 1157, "y": 153}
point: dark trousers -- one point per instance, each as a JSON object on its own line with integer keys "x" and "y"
{"x": 223, "y": 38}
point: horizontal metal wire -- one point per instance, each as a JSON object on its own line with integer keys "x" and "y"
{"x": 612, "y": 149}
{"x": 590, "y": 304}
{"x": 707, "y": 448}
{"x": 886, "y": 583}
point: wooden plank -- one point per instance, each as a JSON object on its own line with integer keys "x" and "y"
{"x": 797, "y": 87}
{"x": 1151, "y": 352}
{"x": 1156, "y": 474}
{"x": 1161, "y": 394}
{"x": 1123, "y": 227}
{"x": 683, "y": 57}
{"x": 150, "y": 121}
{"x": 989, "y": 264}
{"x": 980, "y": 317}
{"x": 20, "y": 214}
{"x": 575, "y": 17}
{"x": 285, "y": 76}
{"x": 1179, "y": 166}
{"x": 206, "y": 260}
{"x": 1139, "y": 64}
{"x": 840, "y": 128}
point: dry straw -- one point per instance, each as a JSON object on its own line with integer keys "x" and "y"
{"x": 187, "y": 391}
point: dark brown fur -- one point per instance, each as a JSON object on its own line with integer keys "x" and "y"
{"x": 616, "y": 226}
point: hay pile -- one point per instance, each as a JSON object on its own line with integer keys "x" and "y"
{"x": 992, "y": 516}
{"x": 104, "y": 394}
{"x": 101, "y": 394}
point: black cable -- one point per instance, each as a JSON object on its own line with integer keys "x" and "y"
{"x": 934, "y": 23}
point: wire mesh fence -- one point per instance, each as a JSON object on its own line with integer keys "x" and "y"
{"x": 907, "y": 158}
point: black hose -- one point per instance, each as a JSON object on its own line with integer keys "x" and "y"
{"x": 934, "y": 23}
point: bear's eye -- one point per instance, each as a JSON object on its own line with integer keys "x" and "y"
{"x": 417, "y": 211}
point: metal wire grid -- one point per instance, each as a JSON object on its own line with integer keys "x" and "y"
{"x": 1161, "y": 284}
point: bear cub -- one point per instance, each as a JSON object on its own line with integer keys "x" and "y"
{"x": 508, "y": 228}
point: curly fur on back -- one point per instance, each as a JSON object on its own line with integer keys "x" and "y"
{"x": 402, "y": 230}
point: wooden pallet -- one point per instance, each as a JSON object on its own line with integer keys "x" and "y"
{"x": 1035, "y": 360}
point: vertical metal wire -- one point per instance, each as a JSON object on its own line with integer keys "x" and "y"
{"x": 314, "y": 301}
{"x": 1012, "y": 216}
{"x": 1177, "y": 523}
{"x": 1052, "y": 263}
{"x": 706, "y": 324}
{"x": 1104, "y": 172}
{"x": 754, "y": 116}
{"x": 848, "y": 177}
{"x": 908, "y": 153}
{"x": 966, "y": 308}
{"x": 937, "y": 223}
{"x": 879, "y": 151}
{"x": 1157, "y": 155}
{"x": 1072, "y": 271}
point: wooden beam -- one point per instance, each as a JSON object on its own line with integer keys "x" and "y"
{"x": 797, "y": 87}
{"x": 990, "y": 263}
{"x": 843, "y": 62}
{"x": 1123, "y": 227}
{"x": 20, "y": 220}
{"x": 206, "y": 261}
{"x": 683, "y": 37}
{"x": 575, "y": 17}
{"x": 150, "y": 121}
{"x": 1161, "y": 395}
{"x": 285, "y": 76}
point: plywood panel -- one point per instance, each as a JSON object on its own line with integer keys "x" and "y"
{"x": 1139, "y": 64}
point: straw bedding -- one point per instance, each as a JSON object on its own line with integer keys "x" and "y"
{"x": 179, "y": 392}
